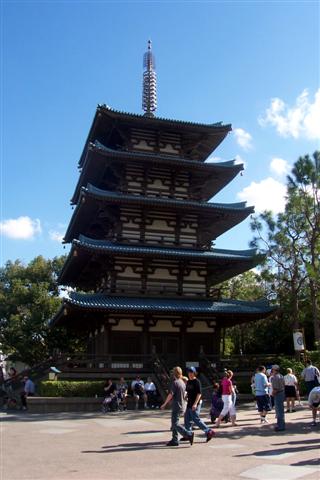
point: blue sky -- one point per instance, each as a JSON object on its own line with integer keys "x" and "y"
{"x": 253, "y": 64}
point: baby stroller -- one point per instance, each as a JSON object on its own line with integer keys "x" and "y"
{"x": 110, "y": 404}
{"x": 217, "y": 405}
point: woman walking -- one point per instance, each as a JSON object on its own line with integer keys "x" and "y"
{"x": 290, "y": 389}
{"x": 228, "y": 405}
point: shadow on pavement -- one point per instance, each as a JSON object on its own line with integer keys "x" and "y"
{"x": 129, "y": 447}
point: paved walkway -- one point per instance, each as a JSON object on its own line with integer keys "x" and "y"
{"x": 132, "y": 445}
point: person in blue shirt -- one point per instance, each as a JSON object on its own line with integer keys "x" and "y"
{"x": 262, "y": 397}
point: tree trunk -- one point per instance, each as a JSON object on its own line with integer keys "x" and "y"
{"x": 315, "y": 312}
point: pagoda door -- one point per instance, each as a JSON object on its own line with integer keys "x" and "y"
{"x": 168, "y": 348}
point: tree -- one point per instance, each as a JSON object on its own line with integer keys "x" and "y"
{"x": 29, "y": 297}
{"x": 292, "y": 242}
{"x": 304, "y": 195}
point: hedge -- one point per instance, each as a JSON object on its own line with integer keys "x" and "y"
{"x": 66, "y": 388}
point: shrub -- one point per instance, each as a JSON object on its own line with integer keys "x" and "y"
{"x": 66, "y": 388}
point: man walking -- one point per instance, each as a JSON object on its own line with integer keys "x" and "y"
{"x": 278, "y": 395}
{"x": 310, "y": 375}
{"x": 193, "y": 389}
{"x": 177, "y": 396}
{"x": 261, "y": 389}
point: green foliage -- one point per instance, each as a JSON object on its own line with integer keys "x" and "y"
{"x": 70, "y": 388}
{"x": 29, "y": 297}
{"x": 292, "y": 242}
{"x": 314, "y": 357}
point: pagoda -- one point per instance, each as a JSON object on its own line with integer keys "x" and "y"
{"x": 142, "y": 268}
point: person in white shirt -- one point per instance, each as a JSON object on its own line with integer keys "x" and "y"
{"x": 290, "y": 389}
{"x": 311, "y": 376}
{"x": 137, "y": 387}
{"x": 150, "y": 391}
{"x": 314, "y": 403}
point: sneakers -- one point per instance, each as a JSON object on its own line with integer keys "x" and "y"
{"x": 264, "y": 421}
{"x": 190, "y": 439}
{"x": 313, "y": 424}
{"x": 172, "y": 444}
{"x": 210, "y": 435}
{"x": 277, "y": 429}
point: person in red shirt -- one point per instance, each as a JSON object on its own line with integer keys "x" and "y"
{"x": 228, "y": 405}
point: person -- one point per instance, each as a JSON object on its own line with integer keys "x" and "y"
{"x": 278, "y": 395}
{"x": 150, "y": 395}
{"x": 262, "y": 395}
{"x": 193, "y": 389}
{"x": 28, "y": 391}
{"x": 177, "y": 396}
{"x": 216, "y": 403}
{"x": 110, "y": 401}
{"x": 137, "y": 387}
{"x": 310, "y": 375}
{"x": 122, "y": 393}
{"x": 228, "y": 405}
{"x": 269, "y": 377}
{"x": 290, "y": 390}
{"x": 314, "y": 403}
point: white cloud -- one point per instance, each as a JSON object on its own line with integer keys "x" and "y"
{"x": 56, "y": 236}
{"x": 213, "y": 159}
{"x": 269, "y": 194}
{"x": 243, "y": 138}
{"x": 300, "y": 120}
{"x": 239, "y": 160}
{"x": 21, "y": 228}
{"x": 279, "y": 166}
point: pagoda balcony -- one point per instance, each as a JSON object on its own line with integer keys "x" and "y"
{"x": 99, "y": 212}
{"x": 109, "y": 169}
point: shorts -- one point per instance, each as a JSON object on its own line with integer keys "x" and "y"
{"x": 316, "y": 404}
{"x": 290, "y": 391}
{"x": 263, "y": 403}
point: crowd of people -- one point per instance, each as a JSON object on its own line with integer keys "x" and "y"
{"x": 116, "y": 394}
{"x": 271, "y": 390}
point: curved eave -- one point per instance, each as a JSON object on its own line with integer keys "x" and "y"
{"x": 98, "y": 156}
{"x": 222, "y": 264}
{"x": 90, "y": 197}
{"x": 93, "y": 245}
{"x": 232, "y": 310}
{"x": 159, "y": 202}
{"x": 216, "y": 132}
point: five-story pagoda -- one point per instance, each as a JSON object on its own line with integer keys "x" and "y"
{"x": 141, "y": 262}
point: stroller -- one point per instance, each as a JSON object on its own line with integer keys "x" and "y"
{"x": 110, "y": 404}
{"x": 217, "y": 405}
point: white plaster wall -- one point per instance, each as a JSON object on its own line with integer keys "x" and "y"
{"x": 164, "y": 326}
{"x": 126, "y": 325}
{"x": 200, "y": 327}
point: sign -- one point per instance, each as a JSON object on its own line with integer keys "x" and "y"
{"x": 298, "y": 341}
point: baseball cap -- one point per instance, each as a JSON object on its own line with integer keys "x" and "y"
{"x": 275, "y": 367}
{"x": 192, "y": 369}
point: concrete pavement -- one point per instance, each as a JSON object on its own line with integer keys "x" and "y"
{"x": 132, "y": 445}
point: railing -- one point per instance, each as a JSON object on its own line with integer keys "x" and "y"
{"x": 106, "y": 362}
{"x": 162, "y": 374}
{"x": 241, "y": 362}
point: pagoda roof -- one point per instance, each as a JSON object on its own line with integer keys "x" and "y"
{"x": 227, "y": 215}
{"x": 202, "y": 138}
{"x": 236, "y": 311}
{"x": 223, "y": 264}
{"x": 214, "y": 176}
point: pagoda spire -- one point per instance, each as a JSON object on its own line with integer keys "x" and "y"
{"x": 149, "y": 93}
